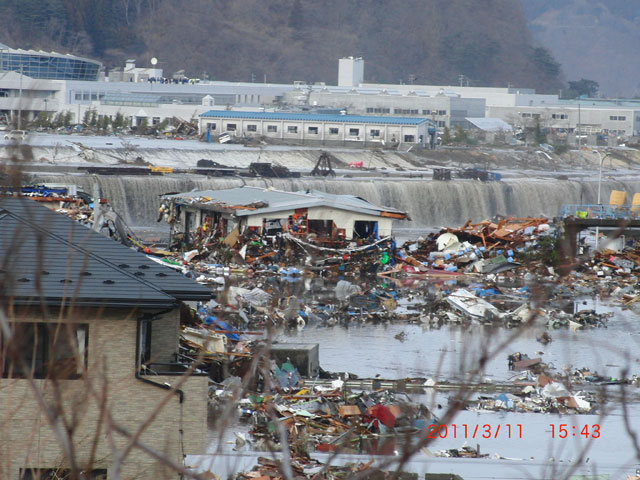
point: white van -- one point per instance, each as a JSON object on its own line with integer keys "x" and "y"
{"x": 17, "y": 135}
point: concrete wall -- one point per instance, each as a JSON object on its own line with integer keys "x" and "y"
{"x": 28, "y": 440}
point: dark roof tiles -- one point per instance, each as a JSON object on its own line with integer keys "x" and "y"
{"x": 45, "y": 256}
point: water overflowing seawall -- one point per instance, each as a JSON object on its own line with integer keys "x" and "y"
{"x": 429, "y": 203}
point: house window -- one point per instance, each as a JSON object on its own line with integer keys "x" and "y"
{"x": 442, "y": 123}
{"x": 409, "y": 138}
{"x": 272, "y": 128}
{"x": 354, "y": 132}
{"x": 313, "y": 130}
{"x": 155, "y": 120}
{"x": 60, "y": 473}
{"x": 45, "y": 350}
{"x": 374, "y": 133}
{"x": 292, "y": 129}
{"x": 426, "y": 112}
{"x": 211, "y": 126}
{"x": 442, "y": 112}
{"x": 231, "y": 127}
{"x": 78, "y": 96}
{"x": 252, "y": 128}
{"x": 334, "y": 131}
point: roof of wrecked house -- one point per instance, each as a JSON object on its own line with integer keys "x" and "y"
{"x": 47, "y": 257}
{"x": 247, "y": 201}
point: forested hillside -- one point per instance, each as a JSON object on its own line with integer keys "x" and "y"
{"x": 593, "y": 39}
{"x": 424, "y": 41}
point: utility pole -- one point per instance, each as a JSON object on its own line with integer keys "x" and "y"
{"x": 601, "y": 162}
{"x": 578, "y": 129}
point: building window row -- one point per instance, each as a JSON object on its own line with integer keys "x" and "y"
{"x": 378, "y": 110}
{"x": 406, "y": 111}
{"x": 293, "y": 129}
{"x": 559, "y": 116}
{"x": 617, "y": 117}
{"x": 88, "y": 96}
{"x": 49, "y": 67}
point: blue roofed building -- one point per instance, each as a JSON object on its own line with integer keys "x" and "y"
{"x": 318, "y": 129}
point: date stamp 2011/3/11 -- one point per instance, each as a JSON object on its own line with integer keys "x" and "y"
{"x": 507, "y": 430}
{"x": 469, "y": 431}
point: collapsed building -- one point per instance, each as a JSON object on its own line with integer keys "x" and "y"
{"x": 319, "y": 216}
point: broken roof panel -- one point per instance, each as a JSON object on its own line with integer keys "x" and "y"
{"x": 45, "y": 254}
{"x": 258, "y": 201}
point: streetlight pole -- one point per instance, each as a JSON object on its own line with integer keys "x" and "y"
{"x": 20, "y": 99}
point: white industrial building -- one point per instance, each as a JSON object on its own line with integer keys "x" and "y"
{"x": 350, "y": 71}
{"x": 442, "y": 109}
{"x": 143, "y": 101}
{"x": 582, "y": 117}
{"x": 319, "y": 129}
{"x": 131, "y": 73}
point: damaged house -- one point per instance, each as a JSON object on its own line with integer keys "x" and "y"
{"x": 322, "y": 216}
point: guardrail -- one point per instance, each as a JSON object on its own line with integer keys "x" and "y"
{"x": 605, "y": 212}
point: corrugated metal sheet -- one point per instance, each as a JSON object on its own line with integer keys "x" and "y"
{"x": 490, "y": 124}
{"x": 315, "y": 117}
{"x": 47, "y": 255}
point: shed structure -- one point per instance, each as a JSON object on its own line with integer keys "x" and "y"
{"x": 269, "y": 211}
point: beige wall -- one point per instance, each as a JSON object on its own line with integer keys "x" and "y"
{"x": 346, "y": 220}
{"x": 27, "y": 439}
{"x": 342, "y": 219}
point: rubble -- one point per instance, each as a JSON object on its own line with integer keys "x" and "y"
{"x": 493, "y": 273}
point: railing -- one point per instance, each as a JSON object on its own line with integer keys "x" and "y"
{"x": 605, "y": 212}
{"x": 181, "y": 366}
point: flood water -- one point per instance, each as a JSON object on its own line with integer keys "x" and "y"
{"x": 451, "y": 352}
